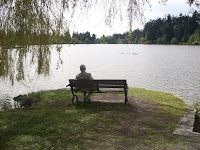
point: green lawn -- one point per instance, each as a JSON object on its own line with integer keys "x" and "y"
{"x": 146, "y": 122}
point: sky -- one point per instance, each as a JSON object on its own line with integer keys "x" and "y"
{"x": 94, "y": 20}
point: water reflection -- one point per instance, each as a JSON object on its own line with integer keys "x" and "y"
{"x": 6, "y": 104}
{"x": 13, "y": 62}
{"x": 21, "y": 65}
{"x": 6, "y": 63}
{"x": 43, "y": 57}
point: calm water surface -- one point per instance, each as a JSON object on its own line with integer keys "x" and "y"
{"x": 174, "y": 69}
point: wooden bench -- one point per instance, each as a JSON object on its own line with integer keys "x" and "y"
{"x": 98, "y": 86}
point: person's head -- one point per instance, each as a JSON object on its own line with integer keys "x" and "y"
{"x": 82, "y": 68}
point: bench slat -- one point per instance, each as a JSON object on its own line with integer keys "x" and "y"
{"x": 108, "y": 91}
{"x": 115, "y": 82}
{"x": 109, "y": 82}
{"x": 110, "y": 86}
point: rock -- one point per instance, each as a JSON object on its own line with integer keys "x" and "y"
{"x": 19, "y": 98}
{"x": 196, "y": 124}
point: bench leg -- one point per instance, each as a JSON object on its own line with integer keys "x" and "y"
{"x": 89, "y": 95}
{"x": 73, "y": 100}
{"x": 126, "y": 99}
{"x": 126, "y": 96}
{"x": 74, "y": 95}
{"x": 84, "y": 98}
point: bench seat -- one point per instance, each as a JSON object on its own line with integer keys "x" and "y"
{"x": 98, "y": 86}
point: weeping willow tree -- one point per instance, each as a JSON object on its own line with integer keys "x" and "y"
{"x": 35, "y": 22}
{"x": 25, "y": 22}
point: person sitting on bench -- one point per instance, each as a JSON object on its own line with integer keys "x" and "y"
{"x": 85, "y": 76}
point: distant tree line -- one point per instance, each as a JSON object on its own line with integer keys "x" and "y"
{"x": 169, "y": 30}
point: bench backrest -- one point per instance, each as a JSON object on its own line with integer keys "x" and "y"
{"x": 97, "y": 84}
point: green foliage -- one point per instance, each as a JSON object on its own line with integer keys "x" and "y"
{"x": 183, "y": 28}
{"x": 130, "y": 38}
{"x": 191, "y": 39}
{"x": 120, "y": 41}
{"x": 171, "y": 105}
{"x": 36, "y": 95}
{"x": 169, "y": 30}
{"x": 87, "y": 41}
{"x": 148, "y": 42}
{"x": 174, "y": 41}
{"x": 197, "y": 107}
{"x": 164, "y": 39}
{"x": 147, "y": 36}
{"x": 159, "y": 40}
{"x": 195, "y": 38}
{"x": 42, "y": 22}
{"x": 142, "y": 40}
{"x": 108, "y": 40}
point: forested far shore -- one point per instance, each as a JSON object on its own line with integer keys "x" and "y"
{"x": 168, "y": 30}
{"x": 182, "y": 29}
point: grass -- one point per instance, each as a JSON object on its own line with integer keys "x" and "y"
{"x": 197, "y": 107}
{"x": 147, "y": 122}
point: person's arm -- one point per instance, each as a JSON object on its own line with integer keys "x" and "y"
{"x": 76, "y": 77}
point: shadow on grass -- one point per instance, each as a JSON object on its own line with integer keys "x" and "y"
{"x": 97, "y": 106}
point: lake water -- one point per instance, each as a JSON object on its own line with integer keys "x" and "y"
{"x": 168, "y": 68}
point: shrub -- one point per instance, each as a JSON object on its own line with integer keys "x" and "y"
{"x": 148, "y": 42}
{"x": 36, "y": 95}
{"x": 159, "y": 40}
{"x": 191, "y": 39}
{"x": 164, "y": 39}
{"x": 174, "y": 41}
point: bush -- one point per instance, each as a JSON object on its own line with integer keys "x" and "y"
{"x": 159, "y": 40}
{"x": 195, "y": 38}
{"x": 36, "y": 95}
{"x": 195, "y": 43}
{"x": 197, "y": 107}
{"x": 191, "y": 39}
{"x": 149, "y": 42}
{"x": 174, "y": 41}
{"x": 164, "y": 39}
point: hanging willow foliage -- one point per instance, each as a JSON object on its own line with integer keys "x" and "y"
{"x": 33, "y": 21}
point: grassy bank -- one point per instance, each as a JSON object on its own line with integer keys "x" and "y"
{"x": 147, "y": 122}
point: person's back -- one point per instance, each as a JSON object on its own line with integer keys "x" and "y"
{"x": 84, "y": 75}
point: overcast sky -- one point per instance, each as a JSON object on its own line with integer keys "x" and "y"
{"x": 94, "y": 20}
